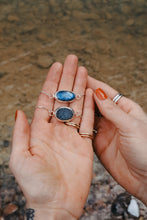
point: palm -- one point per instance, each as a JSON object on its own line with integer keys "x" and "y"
{"x": 62, "y": 159}
{"x": 55, "y": 162}
{"x": 112, "y": 147}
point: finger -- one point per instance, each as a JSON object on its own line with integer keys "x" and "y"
{"x": 87, "y": 121}
{"x": 50, "y": 87}
{"x": 21, "y": 137}
{"x": 67, "y": 78}
{"x": 111, "y": 111}
{"x": 79, "y": 89}
{"x": 124, "y": 103}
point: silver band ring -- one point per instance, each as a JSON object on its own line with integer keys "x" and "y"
{"x": 72, "y": 124}
{"x": 86, "y": 135}
{"x": 117, "y": 97}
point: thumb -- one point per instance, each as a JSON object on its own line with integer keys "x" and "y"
{"x": 111, "y": 111}
{"x": 21, "y": 133}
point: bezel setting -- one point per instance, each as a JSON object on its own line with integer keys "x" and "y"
{"x": 64, "y": 115}
{"x": 70, "y": 99}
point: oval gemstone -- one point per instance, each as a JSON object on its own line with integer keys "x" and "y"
{"x": 64, "y": 114}
{"x": 65, "y": 96}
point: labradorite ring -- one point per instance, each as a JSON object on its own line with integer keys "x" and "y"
{"x": 63, "y": 114}
{"x": 63, "y": 95}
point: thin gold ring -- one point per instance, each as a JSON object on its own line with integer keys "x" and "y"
{"x": 86, "y": 135}
{"x": 72, "y": 124}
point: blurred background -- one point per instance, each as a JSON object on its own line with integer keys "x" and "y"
{"x": 109, "y": 38}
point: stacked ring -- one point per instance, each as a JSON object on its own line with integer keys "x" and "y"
{"x": 72, "y": 124}
{"x": 86, "y": 135}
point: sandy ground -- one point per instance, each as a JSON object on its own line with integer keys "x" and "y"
{"x": 109, "y": 37}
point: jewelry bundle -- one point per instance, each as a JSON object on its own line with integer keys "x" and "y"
{"x": 63, "y": 114}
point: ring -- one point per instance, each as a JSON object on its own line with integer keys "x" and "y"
{"x": 86, "y": 135}
{"x": 63, "y": 96}
{"x": 94, "y": 131}
{"x": 41, "y": 107}
{"x": 117, "y": 97}
{"x": 63, "y": 114}
{"x": 72, "y": 124}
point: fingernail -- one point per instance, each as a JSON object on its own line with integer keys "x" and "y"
{"x": 16, "y": 115}
{"x": 100, "y": 94}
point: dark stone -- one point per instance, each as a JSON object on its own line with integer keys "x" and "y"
{"x": 6, "y": 143}
{"x": 2, "y": 74}
{"x": 64, "y": 113}
{"x": 120, "y": 204}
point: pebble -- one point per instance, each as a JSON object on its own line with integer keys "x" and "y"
{"x": 44, "y": 61}
{"x": 28, "y": 29}
{"x": 42, "y": 36}
{"x": 120, "y": 204}
{"x": 133, "y": 208}
{"x": 10, "y": 209}
{"x": 6, "y": 143}
{"x": 12, "y": 18}
{"x": 130, "y": 22}
{"x": 2, "y": 74}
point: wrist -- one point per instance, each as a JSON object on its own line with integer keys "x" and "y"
{"x": 45, "y": 213}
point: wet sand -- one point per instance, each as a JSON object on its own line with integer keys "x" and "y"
{"x": 109, "y": 37}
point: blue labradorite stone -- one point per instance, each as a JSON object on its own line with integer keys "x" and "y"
{"x": 65, "y": 96}
{"x": 64, "y": 113}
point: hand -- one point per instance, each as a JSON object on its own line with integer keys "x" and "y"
{"x": 50, "y": 160}
{"x": 121, "y": 142}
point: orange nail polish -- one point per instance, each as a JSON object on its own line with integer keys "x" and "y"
{"x": 16, "y": 115}
{"x": 100, "y": 94}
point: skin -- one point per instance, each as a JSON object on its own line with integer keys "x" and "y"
{"x": 50, "y": 160}
{"x": 121, "y": 141}
{"x": 53, "y": 163}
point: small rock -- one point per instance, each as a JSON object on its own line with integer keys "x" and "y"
{"x": 133, "y": 208}
{"x": 10, "y": 208}
{"x": 120, "y": 204}
{"x": 84, "y": 15}
{"x": 125, "y": 9}
{"x": 42, "y": 36}
{"x": 130, "y": 22}
{"x": 108, "y": 16}
{"x": 44, "y": 61}
{"x": 12, "y": 18}
{"x": 6, "y": 143}
{"x": 103, "y": 45}
{"x": 28, "y": 29}
{"x": 2, "y": 74}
